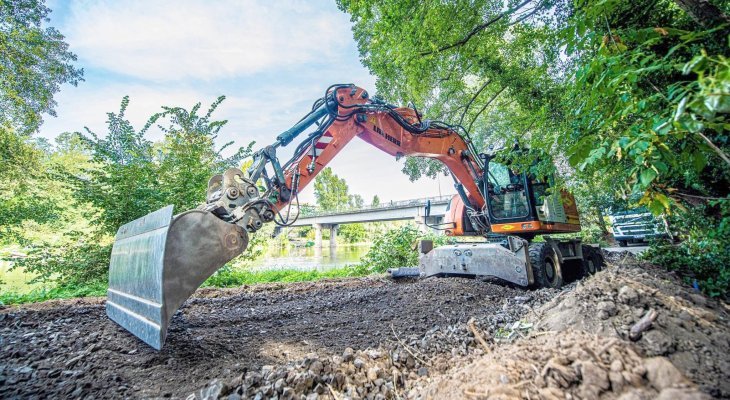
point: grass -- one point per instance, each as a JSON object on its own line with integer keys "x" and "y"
{"x": 230, "y": 277}
{"x": 225, "y": 278}
{"x": 61, "y": 292}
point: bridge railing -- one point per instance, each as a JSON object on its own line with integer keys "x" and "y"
{"x": 311, "y": 211}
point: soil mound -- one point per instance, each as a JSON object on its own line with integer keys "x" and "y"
{"x": 632, "y": 331}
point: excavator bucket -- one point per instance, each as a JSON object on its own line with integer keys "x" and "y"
{"x": 159, "y": 260}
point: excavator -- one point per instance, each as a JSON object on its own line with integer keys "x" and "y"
{"x": 159, "y": 260}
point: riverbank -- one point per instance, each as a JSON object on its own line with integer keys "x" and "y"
{"x": 225, "y": 278}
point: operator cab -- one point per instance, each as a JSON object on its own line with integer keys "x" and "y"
{"x": 518, "y": 204}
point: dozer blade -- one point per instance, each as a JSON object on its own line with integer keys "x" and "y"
{"x": 159, "y": 260}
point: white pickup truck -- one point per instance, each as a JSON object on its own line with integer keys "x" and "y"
{"x": 637, "y": 226}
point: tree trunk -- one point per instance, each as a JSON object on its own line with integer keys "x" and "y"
{"x": 703, "y": 12}
{"x": 607, "y": 236}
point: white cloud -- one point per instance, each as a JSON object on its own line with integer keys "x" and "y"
{"x": 174, "y": 40}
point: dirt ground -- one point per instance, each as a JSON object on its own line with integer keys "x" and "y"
{"x": 69, "y": 348}
{"x": 379, "y": 339}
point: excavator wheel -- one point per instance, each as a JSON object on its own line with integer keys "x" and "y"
{"x": 592, "y": 260}
{"x": 589, "y": 263}
{"x": 598, "y": 259}
{"x": 545, "y": 266}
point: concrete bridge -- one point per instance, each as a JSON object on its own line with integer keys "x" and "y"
{"x": 391, "y": 211}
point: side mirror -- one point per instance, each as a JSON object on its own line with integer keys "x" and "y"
{"x": 427, "y": 211}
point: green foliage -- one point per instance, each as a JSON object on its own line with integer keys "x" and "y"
{"x": 19, "y": 158}
{"x": 630, "y": 98}
{"x": 396, "y": 248}
{"x": 79, "y": 260}
{"x": 356, "y": 201}
{"x": 187, "y": 156}
{"x": 234, "y": 277}
{"x": 59, "y": 292}
{"x": 704, "y": 253}
{"x": 106, "y": 182}
{"x": 35, "y": 62}
{"x": 352, "y": 233}
{"x": 659, "y": 136}
{"x": 331, "y": 191}
{"x": 135, "y": 176}
{"x": 376, "y": 201}
{"x": 40, "y": 200}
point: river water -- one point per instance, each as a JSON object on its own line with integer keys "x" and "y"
{"x": 310, "y": 258}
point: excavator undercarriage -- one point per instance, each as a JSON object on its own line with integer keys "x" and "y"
{"x": 159, "y": 260}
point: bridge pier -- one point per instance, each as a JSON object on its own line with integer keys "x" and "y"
{"x": 317, "y": 235}
{"x": 333, "y": 235}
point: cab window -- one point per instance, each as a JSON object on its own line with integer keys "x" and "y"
{"x": 507, "y": 198}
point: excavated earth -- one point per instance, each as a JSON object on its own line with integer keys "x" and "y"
{"x": 379, "y": 339}
{"x": 62, "y": 349}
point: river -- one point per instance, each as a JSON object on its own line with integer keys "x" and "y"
{"x": 310, "y": 258}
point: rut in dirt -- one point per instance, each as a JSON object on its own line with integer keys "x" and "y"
{"x": 70, "y": 348}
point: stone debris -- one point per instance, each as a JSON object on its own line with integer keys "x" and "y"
{"x": 561, "y": 345}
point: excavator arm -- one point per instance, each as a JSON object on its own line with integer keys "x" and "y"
{"x": 345, "y": 112}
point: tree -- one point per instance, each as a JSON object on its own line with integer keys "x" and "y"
{"x": 330, "y": 191}
{"x": 135, "y": 176}
{"x": 187, "y": 156}
{"x": 35, "y": 62}
{"x": 356, "y": 201}
{"x": 352, "y": 233}
{"x": 635, "y": 91}
{"x": 376, "y": 201}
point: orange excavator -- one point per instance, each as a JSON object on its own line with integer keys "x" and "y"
{"x": 159, "y": 260}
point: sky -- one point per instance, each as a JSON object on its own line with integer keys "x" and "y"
{"x": 271, "y": 59}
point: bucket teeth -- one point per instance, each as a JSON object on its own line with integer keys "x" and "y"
{"x": 159, "y": 260}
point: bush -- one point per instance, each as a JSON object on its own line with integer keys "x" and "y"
{"x": 396, "y": 248}
{"x": 80, "y": 260}
{"x": 352, "y": 233}
{"x": 703, "y": 257}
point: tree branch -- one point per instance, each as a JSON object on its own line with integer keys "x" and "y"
{"x": 714, "y": 147}
{"x": 703, "y": 12}
{"x": 527, "y": 15}
{"x": 481, "y": 89}
{"x": 478, "y": 29}
{"x": 485, "y": 107}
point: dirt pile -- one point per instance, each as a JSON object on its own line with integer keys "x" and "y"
{"x": 595, "y": 342}
{"x": 63, "y": 348}
{"x": 689, "y": 329}
{"x": 569, "y": 362}
{"x": 573, "y": 343}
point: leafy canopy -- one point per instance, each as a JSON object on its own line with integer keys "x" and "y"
{"x": 35, "y": 62}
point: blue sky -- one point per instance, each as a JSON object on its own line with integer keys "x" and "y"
{"x": 271, "y": 59}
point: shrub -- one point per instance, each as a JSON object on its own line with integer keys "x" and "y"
{"x": 396, "y": 248}
{"x": 703, "y": 257}
{"x": 352, "y": 233}
{"x": 81, "y": 260}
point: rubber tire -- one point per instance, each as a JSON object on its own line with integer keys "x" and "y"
{"x": 589, "y": 263}
{"x": 623, "y": 243}
{"x": 543, "y": 260}
{"x": 598, "y": 259}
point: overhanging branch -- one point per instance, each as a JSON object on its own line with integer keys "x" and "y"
{"x": 478, "y": 29}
